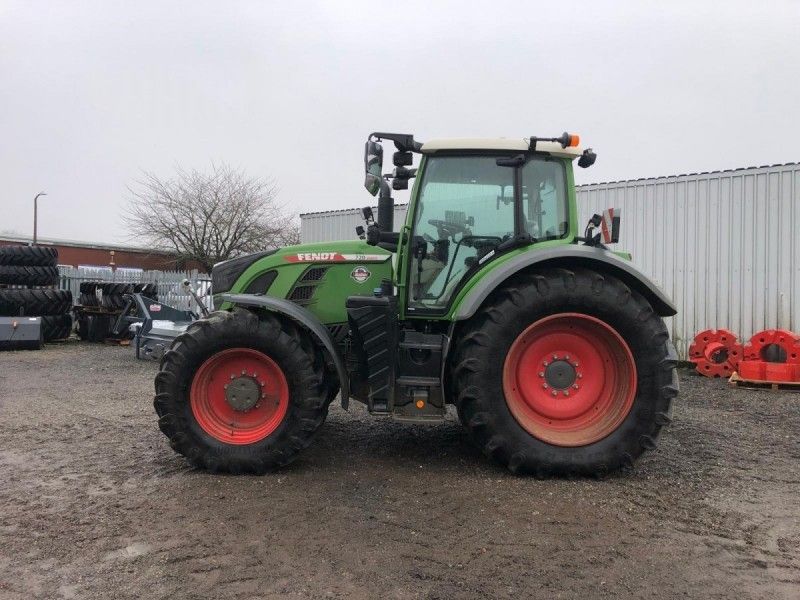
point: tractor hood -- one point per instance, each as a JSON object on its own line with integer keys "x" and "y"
{"x": 250, "y": 273}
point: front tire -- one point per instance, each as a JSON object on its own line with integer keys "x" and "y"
{"x": 565, "y": 372}
{"x": 240, "y": 394}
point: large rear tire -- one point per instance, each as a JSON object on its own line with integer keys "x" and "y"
{"x": 35, "y": 302}
{"x": 14, "y": 275}
{"x": 565, "y": 372}
{"x": 28, "y": 256}
{"x": 241, "y": 393}
{"x": 56, "y": 327}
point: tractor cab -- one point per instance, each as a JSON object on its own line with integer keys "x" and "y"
{"x": 474, "y": 200}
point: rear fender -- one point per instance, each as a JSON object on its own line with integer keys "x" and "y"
{"x": 589, "y": 257}
{"x": 308, "y": 321}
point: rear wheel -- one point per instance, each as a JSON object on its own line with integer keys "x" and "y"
{"x": 241, "y": 394}
{"x": 586, "y": 376}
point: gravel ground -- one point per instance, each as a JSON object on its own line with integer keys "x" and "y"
{"x": 94, "y": 504}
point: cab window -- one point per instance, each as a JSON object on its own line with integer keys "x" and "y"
{"x": 544, "y": 199}
{"x": 466, "y": 207}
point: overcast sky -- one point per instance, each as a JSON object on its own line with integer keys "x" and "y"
{"x": 91, "y": 93}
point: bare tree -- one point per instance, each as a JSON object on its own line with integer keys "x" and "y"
{"x": 208, "y": 217}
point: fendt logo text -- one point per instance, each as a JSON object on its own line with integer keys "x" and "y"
{"x": 315, "y": 257}
{"x": 306, "y": 257}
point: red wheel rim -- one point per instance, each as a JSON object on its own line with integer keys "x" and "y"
{"x": 239, "y": 396}
{"x": 569, "y": 379}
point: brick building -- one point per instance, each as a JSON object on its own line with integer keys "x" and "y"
{"x": 89, "y": 254}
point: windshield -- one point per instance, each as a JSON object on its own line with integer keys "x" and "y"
{"x": 466, "y": 207}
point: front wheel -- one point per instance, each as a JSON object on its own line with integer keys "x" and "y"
{"x": 241, "y": 394}
{"x": 565, "y": 372}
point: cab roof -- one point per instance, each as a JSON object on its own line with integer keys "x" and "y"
{"x": 512, "y": 144}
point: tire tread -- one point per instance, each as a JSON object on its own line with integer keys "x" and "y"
{"x": 549, "y": 291}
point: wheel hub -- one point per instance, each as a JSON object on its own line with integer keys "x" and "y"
{"x": 242, "y": 393}
{"x": 239, "y": 396}
{"x": 560, "y": 374}
{"x": 569, "y": 379}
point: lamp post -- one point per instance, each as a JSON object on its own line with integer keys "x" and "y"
{"x": 35, "y": 213}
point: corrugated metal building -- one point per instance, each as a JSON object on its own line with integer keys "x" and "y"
{"x": 723, "y": 245}
{"x": 340, "y": 224}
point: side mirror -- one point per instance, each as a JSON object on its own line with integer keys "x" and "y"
{"x": 587, "y": 158}
{"x": 373, "y": 164}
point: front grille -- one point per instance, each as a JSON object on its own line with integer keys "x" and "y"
{"x": 302, "y": 293}
{"x": 314, "y": 274}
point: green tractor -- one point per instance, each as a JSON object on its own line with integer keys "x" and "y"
{"x": 551, "y": 347}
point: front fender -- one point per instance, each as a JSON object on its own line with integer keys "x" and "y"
{"x": 305, "y": 318}
{"x": 566, "y": 256}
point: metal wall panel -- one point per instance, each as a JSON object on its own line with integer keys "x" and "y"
{"x": 723, "y": 245}
{"x": 340, "y": 224}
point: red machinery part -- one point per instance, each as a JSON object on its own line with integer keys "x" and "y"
{"x": 715, "y": 352}
{"x": 774, "y": 346}
{"x": 761, "y": 370}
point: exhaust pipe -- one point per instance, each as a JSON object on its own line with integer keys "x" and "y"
{"x": 386, "y": 209}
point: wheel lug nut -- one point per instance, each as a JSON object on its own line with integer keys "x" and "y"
{"x": 555, "y": 356}
{"x": 544, "y": 385}
{"x": 566, "y": 357}
{"x": 579, "y": 375}
{"x": 576, "y": 364}
{"x": 555, "y": 393}
{"x": 575, "y": 386}
{"x": 226, "y": 386}
{"x": 232, "y": 376}
{"x": 262, "y": 383}
{"x": 566, "y": 392}
{"x": 541, "y": 373}
{"x": 244, "y": 372}
{"x": 545, "y": 363}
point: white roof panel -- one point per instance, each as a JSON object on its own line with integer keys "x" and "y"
{"x": 513, "y": 144}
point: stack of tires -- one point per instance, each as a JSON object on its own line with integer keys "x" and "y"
{"x": 32, "y": 272}
{"x": 112, "y": 295}
{"x": 100, "y": 304}
{"x": 88, "y": 293}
